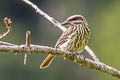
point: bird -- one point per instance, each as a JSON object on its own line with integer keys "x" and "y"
{"x": 74, "y": 39}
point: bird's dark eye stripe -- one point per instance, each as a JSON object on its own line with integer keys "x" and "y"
{"x": 72, "y": 19}
{"x": 76, "y": 18}
{"x": 77, "y": 22}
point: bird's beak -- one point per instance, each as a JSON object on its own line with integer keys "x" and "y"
{"x": 65, "y": 23}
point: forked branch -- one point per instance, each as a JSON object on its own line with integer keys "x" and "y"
{"x": 80, "y": 59}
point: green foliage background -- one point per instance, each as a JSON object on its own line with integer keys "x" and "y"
{"x": 103, "y": 17}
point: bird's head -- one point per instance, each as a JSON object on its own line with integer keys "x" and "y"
{"x": 74, "y": 20}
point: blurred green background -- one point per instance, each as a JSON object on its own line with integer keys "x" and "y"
{"x": 103, "y": 17}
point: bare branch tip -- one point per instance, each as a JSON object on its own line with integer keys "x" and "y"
{"x": 7, "y": 22}
{"x": 25, "y": 58}
{"x": 28, "y": 38}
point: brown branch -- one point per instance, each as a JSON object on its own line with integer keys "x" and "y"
{"x": 7, "y": 22}
{"x": 65, "y": 54}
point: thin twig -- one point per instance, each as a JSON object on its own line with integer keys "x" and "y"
{"x": 92, "y": 53}
{"x": 7, "y": 22}
{"x": 28, "y": 39}
{"x": 51, "y": 19}
{"x": 25, "y": 58}
{"x": 27, "y": 44}
{"x": 6, "y": 43}
{"x": 56, "y": 23}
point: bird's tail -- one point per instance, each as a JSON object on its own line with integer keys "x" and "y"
{"x": 46, "y": 63}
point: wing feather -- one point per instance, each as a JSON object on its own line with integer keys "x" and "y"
{"x": 64, "y": 37}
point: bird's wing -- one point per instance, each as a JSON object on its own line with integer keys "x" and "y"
{"x": 64, "y": 37}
